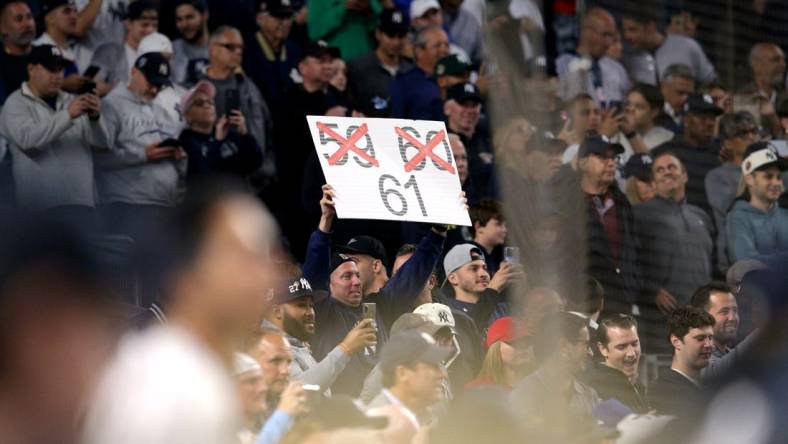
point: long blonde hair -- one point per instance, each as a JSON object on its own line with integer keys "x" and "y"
{"x": 493, "y": 367}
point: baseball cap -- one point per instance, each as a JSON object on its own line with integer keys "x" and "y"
{"x": 419, "y": 7}
{"x": 437, "y": 314}
{"x": 760, "y": 155}
{"x": 464, "y": 92}
{"x": 155, "y": 67}
{"x": 598, "y": 145}
{"x": 452, "y": 65}
{"x": 393, "y": 22}
{"x": 338, "y": 259}
{"x": 295, "y": 289}
{"x": 460, "y": 255}
{"x": 738, "y": 270}
{"x": 639, "y": 166}
{"x": 412, "y": 346}
{"x": 277, "y": 8}
{"x": 156, "y": 42}
{"x": 507, "y": 329}
{"x": 202, "y": 86}
{"x": 136, "y": 9}
{"x": 320, "y": 48}
{"x": 48, "y": 56}
{"x": 366, "y": 245}
{"x": 48, "y": 6}
{"x": 415, "y": 322}
{"x": 702, "y": 104}
{"x": 243, "y": 363}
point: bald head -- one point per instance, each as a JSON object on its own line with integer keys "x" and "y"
{"x": 597, "y": 32}
{"x": 768, "y": 64}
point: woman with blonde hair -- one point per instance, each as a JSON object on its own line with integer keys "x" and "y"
{"x": 507, "y": 355}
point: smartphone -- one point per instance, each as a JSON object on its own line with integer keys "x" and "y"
{"x": 91, "y": 71}
{"x": 511, "y": 254}
{"x": 232, "y": 100}
{"x": 313, "y": 394}
{"x": 87, "y": 88}
{"x": 369, "y": 310}
{"x": 169, "y": 142}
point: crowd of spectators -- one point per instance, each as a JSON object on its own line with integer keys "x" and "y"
{"x": 166, "y": 218}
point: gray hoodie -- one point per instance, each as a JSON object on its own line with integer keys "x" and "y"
{"x": 51, "y": 152}
{"x": 124, "y": 174}
{"x": 753, "y": 232}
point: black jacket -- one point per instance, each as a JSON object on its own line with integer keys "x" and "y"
{"x": 235, "y": 155}
{"x": 674, "y": 394}
{"x": 480, "y": 313}
{"x": 611, "y": 383}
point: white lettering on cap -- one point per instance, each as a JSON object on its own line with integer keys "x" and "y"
{"x": 469, "y": 88}
{"x": 285, "y": 2}
{"x": 646, "y": 159}
{"x": 164, "y": 69}
{"x": 396, "y": 17}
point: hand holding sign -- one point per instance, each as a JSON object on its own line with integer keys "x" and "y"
{"x": 389, "y": 169}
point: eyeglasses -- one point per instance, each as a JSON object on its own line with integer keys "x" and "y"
{"x": 232, "y": 47}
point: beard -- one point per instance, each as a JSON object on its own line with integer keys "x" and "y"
{"x": 295, "y": 328}
{"x": 197, "y": 35}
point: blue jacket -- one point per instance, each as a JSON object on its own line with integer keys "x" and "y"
{"x": 416, "y": 95}
{"x": 268, "y": 70}
{"x": 333, "y": 319}
{"x": 752, "y": 232}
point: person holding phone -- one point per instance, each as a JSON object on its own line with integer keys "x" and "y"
{"x": 139, "y": 178}
{"x": 214, "y": 145}
{"x": 51, "y": 139}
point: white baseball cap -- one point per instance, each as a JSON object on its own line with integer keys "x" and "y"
{"x": 438, "y": 314}
{"x": 419, "y": 7}
{"x": 760, "y": 155}
{"x": 156, "y": 42}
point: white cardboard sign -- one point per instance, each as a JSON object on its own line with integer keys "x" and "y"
{"x": 390, "y": 169}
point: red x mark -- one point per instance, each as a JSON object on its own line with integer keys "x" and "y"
{"x": 349, "y": 144}
{"x": 424, "y": 151}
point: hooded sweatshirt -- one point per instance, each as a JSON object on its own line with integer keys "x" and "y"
{"x": 124, "y": 174}
{"x": 753, "y": 232}
{"x": 51, "y": 152}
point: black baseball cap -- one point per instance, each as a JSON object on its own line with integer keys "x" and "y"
{"x": 137, "y": 8}
{"x": 155, "y": 67}
{"x": 452, "y": 65}
{"x": 639, "y": 166}
{"x": 367, "y": 245}
{"x": 464, "y": 92}
{"x": 338, "y": 259}
{"x": 412, "y": 346}
{"x": 296, "y": 289}
{"x": 598, "y": 145}
{"x": 48, "y": 6}
{"x": 277, "y": 8}
{"x": 393, "y": 22}
{"x": 48, "y": 56}
{"x": 320, "y": 48}
{"x": 702, "y": 104}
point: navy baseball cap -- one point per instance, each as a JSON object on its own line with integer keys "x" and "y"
{"x": 366, "y": 245}
{"x": 136, "y": 9}
{"x": 639, "y": 166}
{"x": 277, "y": 8}
{"x": 598, "y": 145}
{"x": 155, "y": 67}
{"x": 702, "y": 104}
{"x": 296, "y": 289}
{"x": 48, "y": 56}
{"x": 320, "y": 48}
{"x": 393, "y": 23}
{"x": 464, "y": 92}
{"x": 338, "y": 259}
